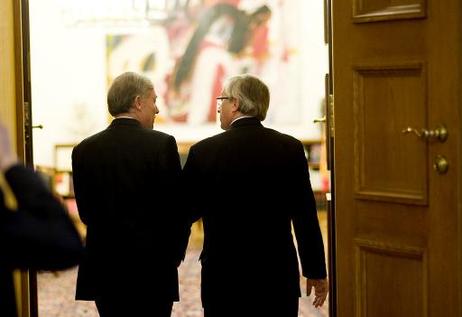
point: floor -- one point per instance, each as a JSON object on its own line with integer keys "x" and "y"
{"x": 56, "y": 290}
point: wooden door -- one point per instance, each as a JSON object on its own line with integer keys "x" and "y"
{"x": 397, "y": 64}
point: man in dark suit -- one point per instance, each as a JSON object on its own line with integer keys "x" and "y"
{"x": 125, "y": 183}
{"x": 249, "y": 185}
{"x": 35, "y": 230}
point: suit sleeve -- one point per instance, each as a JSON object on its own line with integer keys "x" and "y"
{"x": 80, "y": 189}
{"x": 171, "y": 170}
{"x": 31, "y": 193}
{"x": 39, "y": 235}
{"x": 305, "y": 221}
{"x": 191, "y": 184}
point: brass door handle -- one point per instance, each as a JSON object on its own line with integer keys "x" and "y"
{"x": 320, "y": 120}
{"x": 440, "y": 133}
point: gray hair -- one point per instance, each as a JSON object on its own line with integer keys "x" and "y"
{"x": 124, "y": 89}
{"x": 253, "y": 95}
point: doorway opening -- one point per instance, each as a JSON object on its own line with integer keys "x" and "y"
{"x": 78, "y": 47}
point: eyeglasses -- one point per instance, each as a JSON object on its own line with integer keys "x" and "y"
{"x": 220, "y": 100}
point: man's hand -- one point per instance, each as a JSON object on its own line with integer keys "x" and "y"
{"x": 321, "y": 288}
{"x": 7, "y": 155}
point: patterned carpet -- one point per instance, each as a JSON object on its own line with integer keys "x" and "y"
{"x": 56, "y": 292}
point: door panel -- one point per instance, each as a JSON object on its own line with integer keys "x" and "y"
{"x": 379, "y": 264}
{"x": 397, "y": 65}
{"x": 379, "y": 10}
{"x": 387, "y": 99}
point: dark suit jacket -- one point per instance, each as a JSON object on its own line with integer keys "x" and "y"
{"x": 39, "y": 235}
{"x": 125, "y": 183}
{"x": 249, "y": 185}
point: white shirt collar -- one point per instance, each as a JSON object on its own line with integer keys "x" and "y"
{"x": 124, "y": 117}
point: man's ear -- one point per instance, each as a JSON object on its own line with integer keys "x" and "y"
{"x": 137, "y": 103}
{"x": 235, "y": 105}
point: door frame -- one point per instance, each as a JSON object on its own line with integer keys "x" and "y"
{"x": 330, "y": 141}
{"x": 24, "y": 127}
{"x": 27, "y": 281}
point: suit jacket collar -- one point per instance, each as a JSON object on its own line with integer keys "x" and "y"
{"x": 246, "y": 122}
{"x": 117, "y": 122}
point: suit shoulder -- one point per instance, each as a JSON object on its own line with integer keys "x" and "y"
{"x": 159, "y": 134}
{"x": 89, "y": 140}
{"x": 158, "y": 137}
{"x": 210, "y": 141}
{"x": 285, "y": 137}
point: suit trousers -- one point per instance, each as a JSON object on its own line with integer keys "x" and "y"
{"x": 118, "y": 307}
{"x": 258, "y": 307}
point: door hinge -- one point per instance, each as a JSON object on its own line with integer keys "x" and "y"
{"x": 331, "y": 113}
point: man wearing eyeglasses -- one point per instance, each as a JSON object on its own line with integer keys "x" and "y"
{"x": 258, "y": 187}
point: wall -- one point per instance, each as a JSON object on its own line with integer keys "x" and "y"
{"x": 68, "y": 81}
{"x": 7, "y": 69}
